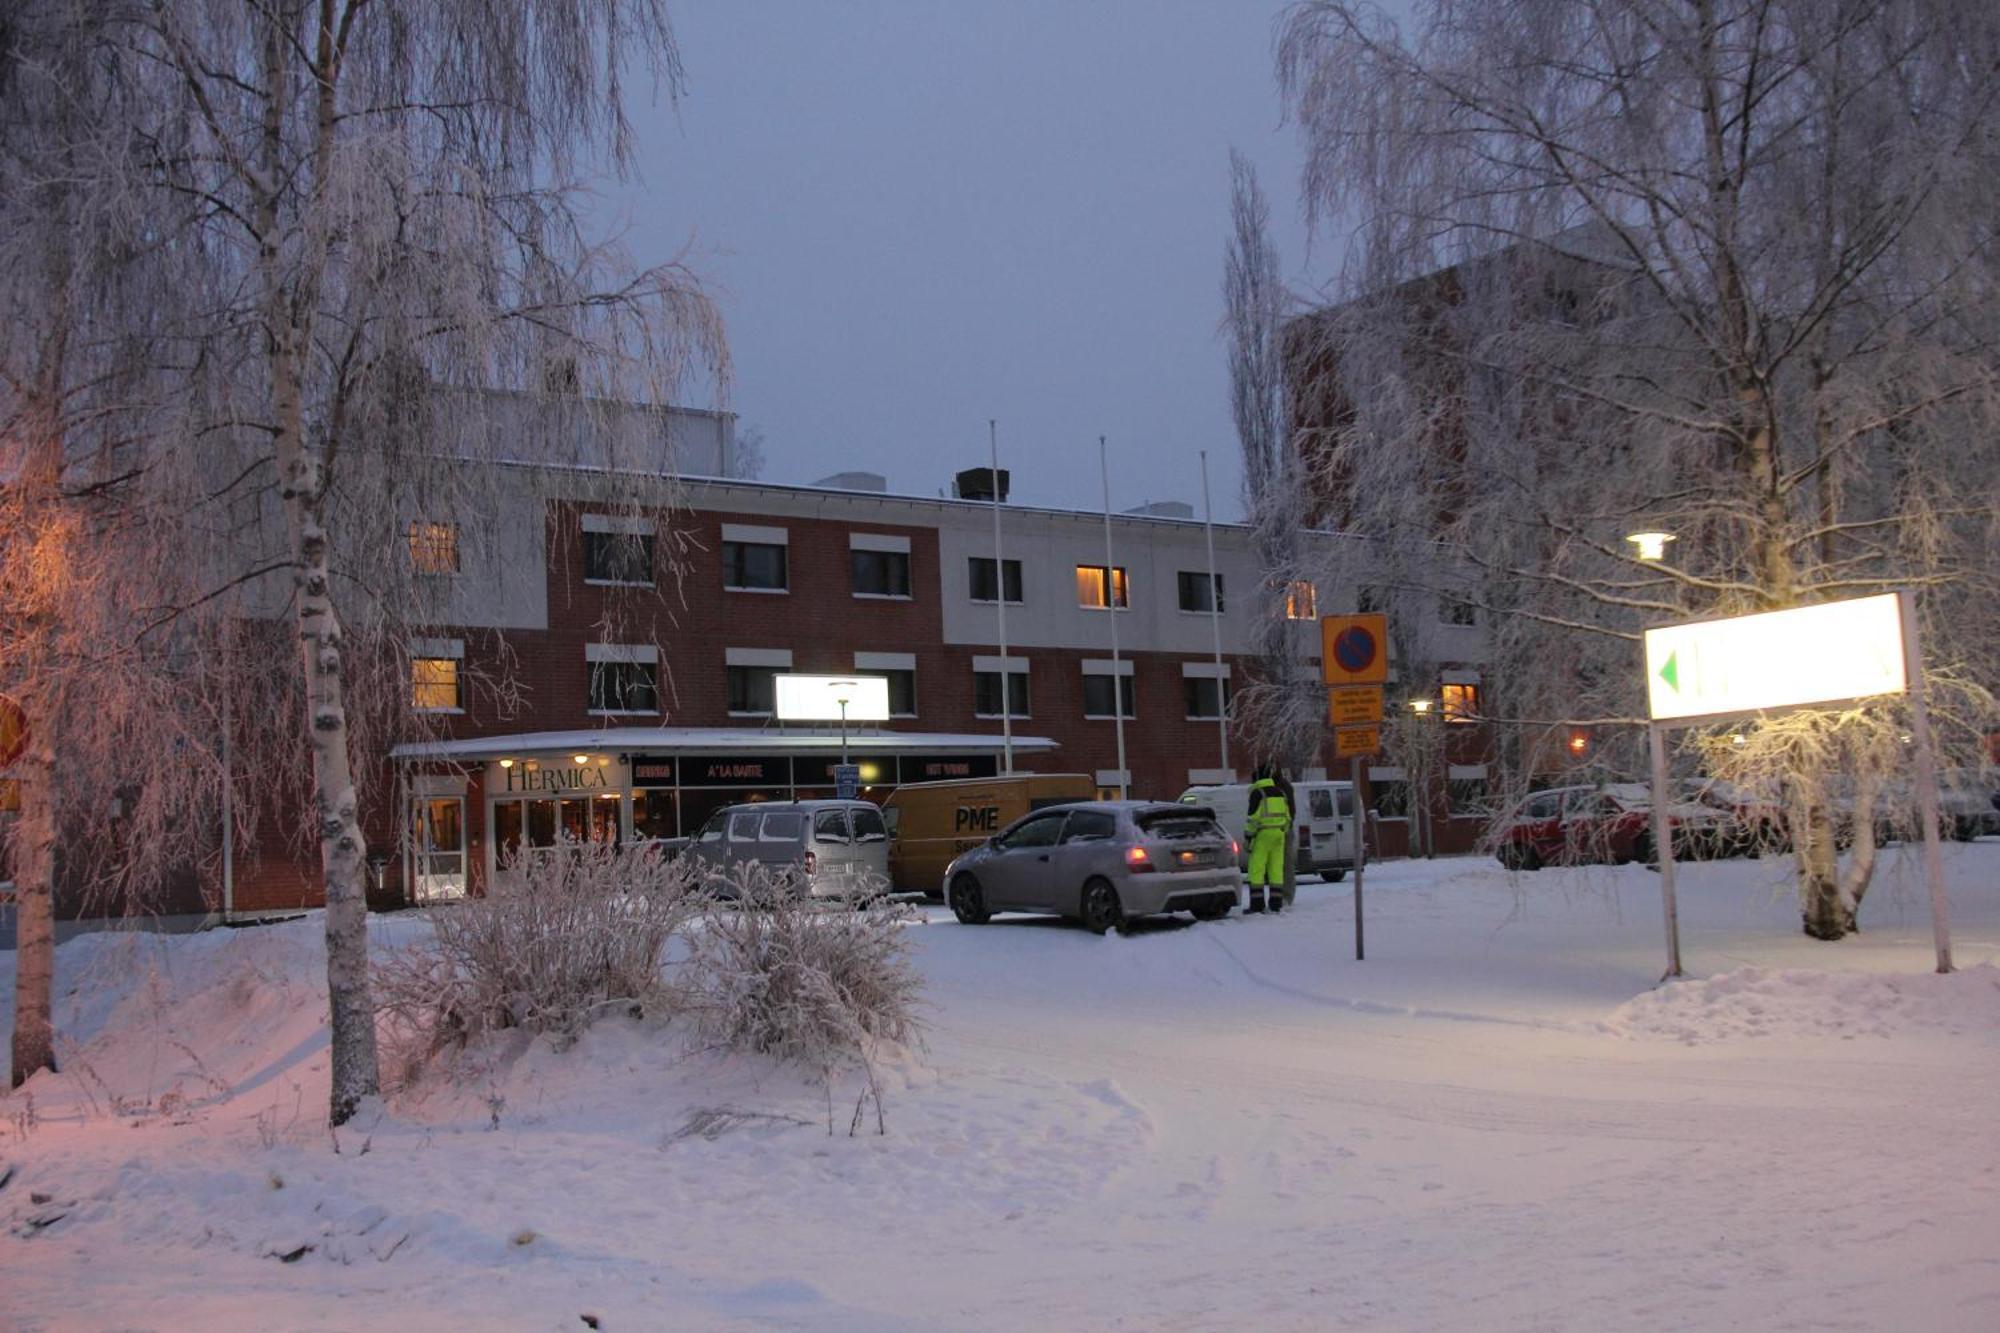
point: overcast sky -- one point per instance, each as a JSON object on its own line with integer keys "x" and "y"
{"x": 920, "y": 215}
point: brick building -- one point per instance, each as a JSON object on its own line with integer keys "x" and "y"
{"x": 642, "y": 645}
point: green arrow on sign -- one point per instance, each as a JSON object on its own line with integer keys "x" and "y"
{"x": 1670, "y": 671}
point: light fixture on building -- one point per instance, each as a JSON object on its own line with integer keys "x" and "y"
{"x": 581, "y": 758}
{"x": 1421, "y": 707}
{"x": 506, "y": 763}
{"x": 1652, "y": 546}
{"x": 1738, "y": 739}
{"x": 1579, "y": 740}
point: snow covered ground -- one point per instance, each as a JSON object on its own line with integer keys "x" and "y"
{"x": 1496, "y": 1122}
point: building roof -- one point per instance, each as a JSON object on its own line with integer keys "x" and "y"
{"x": 716, "y": 740}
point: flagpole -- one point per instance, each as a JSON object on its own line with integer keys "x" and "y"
{"x": 1111, "y": 609}
{"x": 1215, "y": 618}
{"x": 1000, "y": 600}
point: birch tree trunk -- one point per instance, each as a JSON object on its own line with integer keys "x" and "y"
{"x": 34, "y": 906}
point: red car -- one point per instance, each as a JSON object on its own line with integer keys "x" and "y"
{"x": 1613, "y": 825}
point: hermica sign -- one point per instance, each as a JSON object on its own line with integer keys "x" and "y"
{"x": 557, "y": 777}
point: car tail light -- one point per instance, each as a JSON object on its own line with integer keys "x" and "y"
{"x": 1137, "y": 859}
{"x": 812, "y": 863}
{"x": 1305, "y": 838}
{"x": 1235, "y": 847}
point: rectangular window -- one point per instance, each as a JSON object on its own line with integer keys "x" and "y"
{"x": 1457, "y": 611}
{"x": 902, "y": 690}
{"x": 753, "y": 690}
{"x": 986, "y": 693}
{"x": 624, "y": 687}
{"x": 1301, "y": 601}
{"x": 1097, "y": 696}
{"x": 1097, "y": 591}
{"x": 1199, "y": 593}
{"x": 618, "y": 557}
{"x": 1392, "y": 798}
{"x": 434, "y": 685}
{"x": 1207, "y": 698}
{"x": 979, "y": 574}
{"x": 1467, "y": 796}
{"x": 1368, "y": 600}
{"x": 881, "y": 573}
{"x": 754, "y": 567}
{"x": 1461, "y": 702}
{"x": 434, "y": 547}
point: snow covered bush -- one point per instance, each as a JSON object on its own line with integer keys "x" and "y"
{"x": 804, "y": 981}
{"x": 560, "y": 936}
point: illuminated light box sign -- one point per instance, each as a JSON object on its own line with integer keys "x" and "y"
{"x": 1779, "y": 659}
{"x": 818, "y": 698}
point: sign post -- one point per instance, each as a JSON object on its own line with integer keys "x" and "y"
{"x": 1718, "y": 670}
{"x": 1354, "y": 662}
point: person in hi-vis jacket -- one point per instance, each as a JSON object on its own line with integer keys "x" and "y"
{"x": 1265, "y": 828}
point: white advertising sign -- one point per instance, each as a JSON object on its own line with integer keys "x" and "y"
{"x": 1780, "y": 659}
{"x": 818, "y": 698}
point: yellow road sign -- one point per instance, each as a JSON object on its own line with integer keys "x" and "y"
{"x": 1354, "y": 650}
{"x": 1352, "y": 742}
{"x": 1351, "y": 705}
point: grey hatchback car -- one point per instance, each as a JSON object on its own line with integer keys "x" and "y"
{"x": 1102, "y": 863}
{"x": 834, "y": 849}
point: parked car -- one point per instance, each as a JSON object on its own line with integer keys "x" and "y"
{"x": 930, "y": 823}
{"x": 829, "y": 849}
{"x": 1755, "y": 816}
{"x": 1103, "y": 863}
{"x": 1968, "y": 803}
{"x": 1324, "y": 820}
{"x": 1613, "y": 824}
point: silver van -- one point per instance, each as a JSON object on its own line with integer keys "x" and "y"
{"x": 834, "y": 849}
{"x": 1325, "y": 822}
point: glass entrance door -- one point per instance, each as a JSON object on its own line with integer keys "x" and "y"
{"x": 437, "y": 848}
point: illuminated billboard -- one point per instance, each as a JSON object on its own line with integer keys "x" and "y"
{"x": 1779, "y": 659}
{"x": 819, "y": 698}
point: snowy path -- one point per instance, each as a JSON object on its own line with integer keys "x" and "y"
{"x": 1496, "y": 1122}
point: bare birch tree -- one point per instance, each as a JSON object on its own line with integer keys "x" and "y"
{"x": 1280, "y": 712}
{"x": 383, "y": 210}
{"x": 1723, "y": 268}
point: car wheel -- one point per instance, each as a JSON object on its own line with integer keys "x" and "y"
{"x": 1642, "y": 849}
{"x": 968, "y": 902}
{"x": 1333, "y": 876}
{"x": 1101, "y": 910}
{"x": 1519, "y": 856}
{"x": 1214, "y": 911}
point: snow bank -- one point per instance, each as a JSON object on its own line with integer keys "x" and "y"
{"x": 1753, "y": 1002}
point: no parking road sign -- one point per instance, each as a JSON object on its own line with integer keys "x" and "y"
{"x": 1354, "y": 650}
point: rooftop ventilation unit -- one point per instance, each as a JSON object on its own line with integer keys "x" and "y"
{"x": 855, "y": 481}
{"x": 977, "y": 483}
{"x": 1164, "y": 509}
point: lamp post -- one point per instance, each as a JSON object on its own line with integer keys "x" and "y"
{"x": 1423, "y": 710}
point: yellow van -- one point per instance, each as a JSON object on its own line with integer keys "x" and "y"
{"x": 930, "y": 823}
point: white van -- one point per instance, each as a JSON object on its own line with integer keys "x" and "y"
{"x": 1324, "y": 816}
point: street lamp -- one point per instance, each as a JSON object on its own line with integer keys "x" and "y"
{"x": 1651, "y": 546}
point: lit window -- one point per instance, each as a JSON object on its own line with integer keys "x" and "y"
{"x": 434, "y": 684}
{"x": 1096, "y": 590}
{"x": 1461, "y": 702}
{"x": 434, "y": 547}
{"x": 1301, "y": 601}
